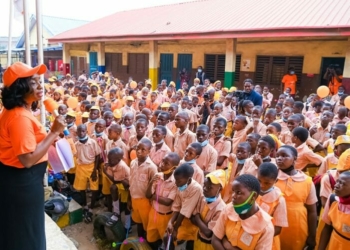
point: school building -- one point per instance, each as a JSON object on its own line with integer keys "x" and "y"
{"x": 231, "y": 39}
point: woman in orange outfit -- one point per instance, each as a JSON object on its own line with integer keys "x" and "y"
{"x": 300, "y": 194}
{"x": 23, "y": 159}
{"x": 336, "y": 233}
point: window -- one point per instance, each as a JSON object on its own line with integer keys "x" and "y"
{"x": 271, "y": 69}
{"x": 215, "y": 66}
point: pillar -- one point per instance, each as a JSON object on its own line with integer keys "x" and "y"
{"x": 346, "y": 72}
{"x": 230, "y": 62}
{"x": 153, "y": 63}
{"x": 66, "y": 58}
{"x": 101, "y": 59}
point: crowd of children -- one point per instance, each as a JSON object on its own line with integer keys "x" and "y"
{"x": 202, "y": 169}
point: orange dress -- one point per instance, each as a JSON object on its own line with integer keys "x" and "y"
{"x": 274, "y": 204}
{"x": 298, "y": 190}
{"x": 339, "y": 217}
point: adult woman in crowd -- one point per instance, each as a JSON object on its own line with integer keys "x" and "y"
{"x": 23, "y": 159}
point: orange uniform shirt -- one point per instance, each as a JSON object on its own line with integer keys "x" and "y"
{"x": 164, "y": 188}
{"x": 208, "y": 158}
{"x": 120, "y": 172}
{"x": 157, "y": 155}
{"x": 223, "y": 148}
{"x": 86, "y": 152}
{"x": 306, "y": 156}
{"x": 120, "y": 144}
{"x": 198, "y": 174}
{"x": 290, "y": 81}
{"x": 181, "y": 141}
{"x": 20, "y": 133}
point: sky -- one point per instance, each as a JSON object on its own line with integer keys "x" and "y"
{"x": 76, "y": 9}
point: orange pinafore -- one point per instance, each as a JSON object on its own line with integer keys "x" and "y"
{"x": 340, "y": 238}
{"x": 295, "y": 192}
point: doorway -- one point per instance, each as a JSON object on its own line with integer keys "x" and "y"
{"x": 166, "y": 67}
{"x": 336, "y": 62}
{"x": 184, "y": 61}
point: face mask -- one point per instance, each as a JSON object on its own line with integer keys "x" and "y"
{"x": 199, "y": 70}
{"x": 93, "y": 121}
{"x": 266, "y": 158}
{"x": 241, "y": 161}
{"x": 70, "y": 125}
{"x": 183, "y": 188}
{"x": 210, "y": 199}
{"x": 158, "y": 143}
{"x": 203, "y": 144}
{"x": 247, "y": 114}
{"x": 191, "y": 161}
{"x": 245, "y": 206}
{"x": 169, "y": 171}
{"x": 284, "y": 119}
{"x": 128, "y": 127}
{"x": 98, "y": 134}
{"x": 292, "y": 72}
{"x": 82, "y": 139}
{"x": 219, "y": 136}
{"x": 267, "y": 191}
{"x": 285, "y": 93}
{"x": 340, "y": 92}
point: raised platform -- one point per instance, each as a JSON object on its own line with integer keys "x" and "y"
{"x": 55, "y": 238}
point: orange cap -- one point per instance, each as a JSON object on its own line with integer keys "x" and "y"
{"x": 21, "y": 70}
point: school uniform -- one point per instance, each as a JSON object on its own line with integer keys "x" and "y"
{"x": 209, "y": 213}
{"x": 230, "y": 115}
{"x": 160, "y": 215}
{"x": 255, "y": 232}
{"x": 223, "y": 148}
{"x": 283, "y": 125}
{"x": 198, "y": 174}
{"x": 169, "y": 139}
{"x": 338, "y": 216}
{"x": 133, "y": 141}
{"x": 181, "y": 141}
{"x": 171, "y": 125}
{"x": 313, "y": 116}
{"x": 149, "y": 131}
{"x": 232, "y": 173}
{"x": 93, "y": 99}
{"x": 329, "y": 162}
{"x": 140, "y": 176}
{"x": 329, "y": 145}
{"x": 274, "y": 204}
{"x": 128, "y": 132}
{"x": 251, "y": 168}
{"x": 73, "y": 132}
{"x": 120, "y": 172}
{"x": 306, "y": 156}
{"x": 86, "y": 153}
{"x": 126, "y": 109}
{"x": 120, "y": 144}
{"x": 336, "y": 120}
{"x": 260, "y": 129}
{"x": 298, "y": 190}
{"x": 185, "y": 203}
{"x": 238, "y": 137}
{"x": 207, "y": 160}
{"x": 211, "y": 120}
{"x": 191, "y": 115}
{"x": 322, "y": 134}
{"x": 157, "y": 155}
{"x": 90, "y": 127}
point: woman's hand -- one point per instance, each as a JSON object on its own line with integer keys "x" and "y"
{"x": 58, "y": 124}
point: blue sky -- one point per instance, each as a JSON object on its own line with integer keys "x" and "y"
{"x": 76, "y": 9}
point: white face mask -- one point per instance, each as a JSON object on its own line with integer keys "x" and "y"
{"x": 199, "y": 70}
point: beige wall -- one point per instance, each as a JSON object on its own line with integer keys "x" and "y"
{"x": 313, "y": 49}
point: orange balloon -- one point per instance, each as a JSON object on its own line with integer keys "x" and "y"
{"x": 133, "y": 154}
{"x": 133, "y": 85}
{"x": 50, "y": 105}
{"x": 72, "y": 102}
{"x": 323, "y": 91}
{"x": 347, "y": 102}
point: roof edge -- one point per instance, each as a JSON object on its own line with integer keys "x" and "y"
{"x": 322, "y": 31}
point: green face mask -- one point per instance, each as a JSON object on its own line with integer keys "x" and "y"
{"x": 245, "y": 206}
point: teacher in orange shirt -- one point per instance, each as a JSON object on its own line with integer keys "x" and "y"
{"x": 23, "y": 159}
{"x": 290, "y": 81}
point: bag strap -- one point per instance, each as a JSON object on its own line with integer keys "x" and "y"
{"x": 331, "y": 180}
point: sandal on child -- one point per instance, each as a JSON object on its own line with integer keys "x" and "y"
{"x": 88, "y": 217}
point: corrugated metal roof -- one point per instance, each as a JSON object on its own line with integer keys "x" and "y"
{"x": 222, "y": 17}
{"x": 57, "y": 25}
